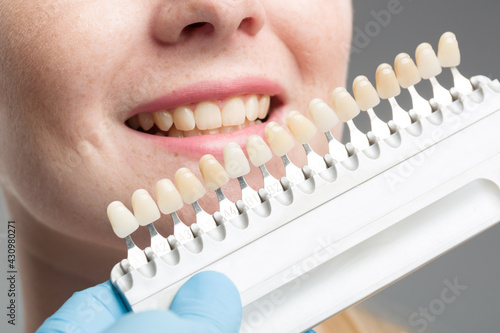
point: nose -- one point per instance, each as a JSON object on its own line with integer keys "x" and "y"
{"x": 178, "y": 20}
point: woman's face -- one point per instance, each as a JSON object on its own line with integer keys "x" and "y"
{"x": 74, "y": 73}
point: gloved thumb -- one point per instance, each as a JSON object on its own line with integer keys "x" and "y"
{"x": 208, "y": 302}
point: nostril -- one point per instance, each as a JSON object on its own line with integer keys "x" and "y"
{"x": 197, "y": 28}
{"x": 195, "y": 25}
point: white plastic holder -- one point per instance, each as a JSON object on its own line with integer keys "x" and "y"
{"x": 344, "y": 234}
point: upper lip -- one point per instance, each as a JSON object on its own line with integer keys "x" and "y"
{"x": 210, "y": 91}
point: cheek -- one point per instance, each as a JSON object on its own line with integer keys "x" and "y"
{"x": 53, "y": 150}
{"x": 318, "y": 33}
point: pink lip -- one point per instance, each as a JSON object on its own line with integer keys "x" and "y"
{"x": 197, "y": 146}
{"x": 211, "y": 90}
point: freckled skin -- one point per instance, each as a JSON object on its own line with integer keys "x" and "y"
{"x": 71, "y": 70}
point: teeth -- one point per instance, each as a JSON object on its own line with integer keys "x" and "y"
{"x": 183, "y": 118}
{"x": 252, "y": 108}
{"x": 195, "y": 132}
{"x": 448, "y": 51}
{"x": 258, "y": 151}
{"x": 302, "y": 128}
{"x": 168, "y": 197}
{"x": 406, "y": 70}
{"x": 207, "y": 115}
{"x": 322, "y": 115}
{"x": 427, "y": 61}
{"x": 365, "y": 93}
{"x": 134, "y": 122}
{"x": 279, "y": 140}
{"x": 122, "y": 220}
{"x": 234, "y": 112}
{"x": 146, "y": 121}
{"x": 213, "y": 173}
{"x": 190, "y": 188}
{"x": 145, "y": 209}
{"x": 344, "y": 104}
{"x": 175, "y": 133}
{"x": 163, "y": 120}
{"x": 264, "y": 103}
{"x": 387, "y": 83}
{"x": 235, "y": 161}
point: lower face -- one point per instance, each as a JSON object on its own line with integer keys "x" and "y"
{"x": 80, "y": 83}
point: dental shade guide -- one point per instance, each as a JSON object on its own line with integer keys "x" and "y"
{"x": 408, "y": 76}
{"x": 170, "y": 201}
{"x": 304, "y": 130}
{"x": 429, "y": 67}
{"x": 388, "y": 208}
{"x": 259, "y": 154}
{"x": 192, "y": 190}
{"x": 367, "y": 98}
{"x": 237, "y": 166}
{"x": 325, "y": 119}
{"x": 281, "y": 142}
{"x": 449, "y": 57}
{"x": 215, "y": 176}
{"x": 124, "y": 224}
{"x": 347, "y": 109}
{"x": 146, "y": 212}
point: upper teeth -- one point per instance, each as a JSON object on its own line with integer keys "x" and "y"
{"x": 205, "y": 117}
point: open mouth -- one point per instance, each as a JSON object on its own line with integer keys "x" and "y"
{"x": 207, "y": 117}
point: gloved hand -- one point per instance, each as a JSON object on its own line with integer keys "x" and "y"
{"x": 208, "y": 302}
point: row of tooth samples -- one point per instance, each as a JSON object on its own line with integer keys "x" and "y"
{"x": 189, "y": 190}
{"x": 205, "y": 117}
{"x": 406, "y": 74}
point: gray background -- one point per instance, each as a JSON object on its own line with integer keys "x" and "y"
{"x": 476, "y": 264}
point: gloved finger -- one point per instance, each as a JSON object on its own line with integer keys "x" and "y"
{"x": 91, "y": 310}
{"x": 211, "y": 300}
{"x": 154, "y": 321}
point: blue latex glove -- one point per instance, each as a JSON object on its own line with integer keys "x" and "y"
{"x": 208, "y": 302}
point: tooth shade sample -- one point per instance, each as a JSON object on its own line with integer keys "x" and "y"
{"x": 233, "y": 112}
{"x": 279, "y": 140}
{"x": 252, "y": 108}
{"x": 207, "y": 116}
{"x": 448, "y": 51}
{"x": 322, "y": 115}
{"x": 163, "y": 120}
{"x": 387, "y": 83}
{"x": 302, "y": 128}
{"x": 235, "y": 161}
{"x": 365, "y": 93}
{"x": 145, "y": 209}
{"x": 344, "y": 104}
{"x": 122, "y": 220}
{"x": 427, "y": 61}
{"x": 258, "y": 151}
{"x": 406, "y": 70}
{"x": 183, "y": 118}
{"x": 168, "y": 197}
{"x": 213, "y": 173}
{"x": 190, "y": 187}
{"x": 264, "y": 103}
{"x": 146, "y": 121}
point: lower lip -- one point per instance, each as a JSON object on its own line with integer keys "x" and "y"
{"x": 197, "y": 146}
